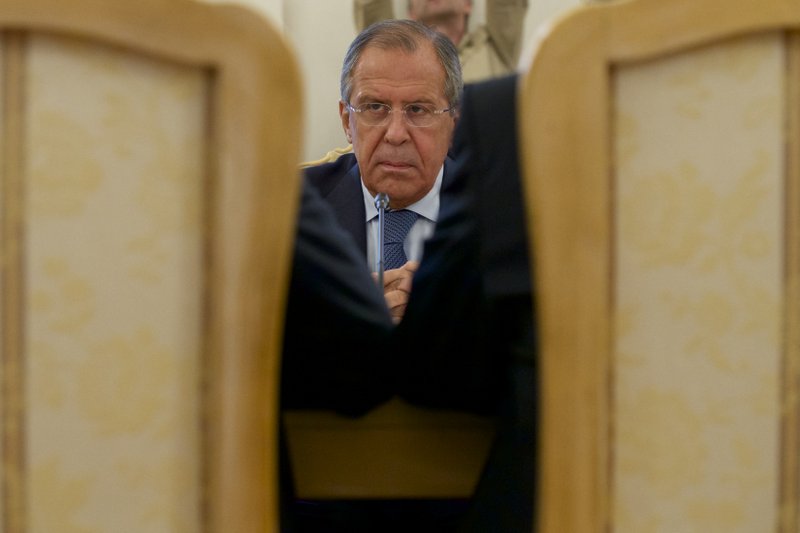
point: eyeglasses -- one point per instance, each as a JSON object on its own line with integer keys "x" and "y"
{"x": 416, "y": 115}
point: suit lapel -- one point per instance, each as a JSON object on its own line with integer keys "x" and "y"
{"x": 447, "y": 174}
{"x": 347, "y": 200}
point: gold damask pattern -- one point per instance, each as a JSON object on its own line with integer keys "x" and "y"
{"x": 699, "y": 285}
{"x": 113, "y": 220}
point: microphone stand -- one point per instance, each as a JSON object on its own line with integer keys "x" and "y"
{"x": 381, "y": 203}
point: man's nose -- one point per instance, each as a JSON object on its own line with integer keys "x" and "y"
{"x": 397, "y": 128}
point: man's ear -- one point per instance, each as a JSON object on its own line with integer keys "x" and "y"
{"x": 344, "y": 114}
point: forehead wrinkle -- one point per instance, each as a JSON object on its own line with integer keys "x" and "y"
{"x": 371, "y": 96}
{"x": 380, "y": 71}
{"x": 389, "y": 90}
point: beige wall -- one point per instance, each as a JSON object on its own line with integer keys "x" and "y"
{"x": 320, "y": 31}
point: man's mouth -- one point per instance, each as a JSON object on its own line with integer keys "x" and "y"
{"x": 398, "y": 165}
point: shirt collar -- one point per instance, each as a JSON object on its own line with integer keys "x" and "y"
{"x": 427, "y": 206}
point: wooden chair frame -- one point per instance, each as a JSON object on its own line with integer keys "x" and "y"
{"x": 567, "y": 160}
{"x": 253, "y": 136}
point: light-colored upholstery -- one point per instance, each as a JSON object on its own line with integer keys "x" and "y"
{"x": 149, "y": 188}
{"x": 661, "y": 149}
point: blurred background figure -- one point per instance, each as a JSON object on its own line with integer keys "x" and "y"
{"x": 487, "y": 49}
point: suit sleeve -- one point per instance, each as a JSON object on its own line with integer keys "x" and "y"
{"x": 337, "y": 323}
{"x": 471, "y": 310}
{"x": 443, "y": 339}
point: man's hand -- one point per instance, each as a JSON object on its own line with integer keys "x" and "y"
{"x": 397, "y": 288}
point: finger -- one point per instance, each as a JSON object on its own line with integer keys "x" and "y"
{"x": 411, "y": 266}
{"x": 396, "y": 299}
{"x": 397, "y": 312}
{"x": 397, "y": 316}
{"x": 392, "y": 275}
{"x": 399, "y": 278}
{"x": 404, "y": 284}
{"x": 400, "y": 284}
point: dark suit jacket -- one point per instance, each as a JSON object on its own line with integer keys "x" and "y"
{"x": 339, "y": 183}
{"x": 337, "y": 322}
{"x": 336, "y": 329}
{"x": 467, "y": 337}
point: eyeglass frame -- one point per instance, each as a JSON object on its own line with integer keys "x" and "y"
{"x": 434, "y": 112}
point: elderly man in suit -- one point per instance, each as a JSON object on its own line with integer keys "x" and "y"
{"x": 400, "y": 85}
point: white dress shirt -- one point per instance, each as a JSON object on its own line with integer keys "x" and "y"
{"x": 426, "y": 207}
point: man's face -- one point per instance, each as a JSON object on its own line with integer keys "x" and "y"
{"x": 396, "y": 158}
{"x": 425, "y": 9}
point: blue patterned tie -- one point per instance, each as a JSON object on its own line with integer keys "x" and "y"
{"x": 395, "y": 229}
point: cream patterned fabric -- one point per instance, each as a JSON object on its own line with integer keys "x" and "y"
{"x": 113, "y": 219}
{"x": 698, "y": 290}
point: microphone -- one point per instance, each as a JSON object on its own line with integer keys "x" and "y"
{"x": 381, "y": 203}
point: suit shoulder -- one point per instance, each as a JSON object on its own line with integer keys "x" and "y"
{"x": 327, "y": 176}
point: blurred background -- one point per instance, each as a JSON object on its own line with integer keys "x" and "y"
{"x": 321, "y": 30}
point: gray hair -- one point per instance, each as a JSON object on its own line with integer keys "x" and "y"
{"x": 406, "y": 35}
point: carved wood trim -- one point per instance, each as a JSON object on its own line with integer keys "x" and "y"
{"x": 12, "y": 349}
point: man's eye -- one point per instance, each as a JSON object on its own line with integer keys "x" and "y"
{"x": 417, "y": 109}
{"x": 374, "y": 108}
